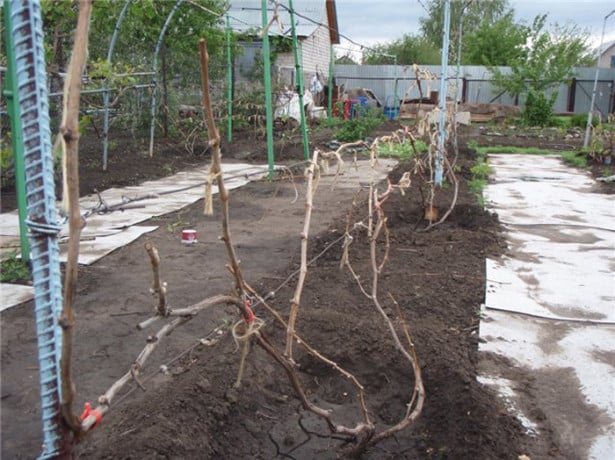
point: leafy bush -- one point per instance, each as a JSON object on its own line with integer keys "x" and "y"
{"x": 13, "y": 269}
{"x": 578, "y": 159}
{"x": 579, "y": 120}
{"x": 403, "y": 151}
{"x": 538, "y": 109}
{"x": 357, "y": 128}
{"x": 559, "y": 122}
{"x": 7, "y": 169}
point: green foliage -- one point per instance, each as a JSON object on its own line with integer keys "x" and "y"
{"x": 559, "y": 122}
{"x": 548, "y": 61}
{"x": 13, "y": 269}
{"x": 249, "y": 108}
{"x": 403, "y": 151}
{"x": 480, "y": 173}
{"x": 578, "y": 159}
{"x": 579, "y": 120}
{"x": 602, "y": 142}
{"x": 408, "y": 50}
{"x": 472, "y": 14}
{"x": 510, "y": 149}
{"x": 7, "y": 171}
{"x": 138, "y": 34}
{"x": 357, "y": 128}
{"x": 496, "y": 43}
{"x": 538, "y": 109}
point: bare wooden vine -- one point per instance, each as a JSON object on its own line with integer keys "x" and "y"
{"x": 363, "y": 433}
{"x": 69, "y": 131}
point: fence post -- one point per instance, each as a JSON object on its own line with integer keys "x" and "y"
{"x": 11, "y": 92}
{"x": 572, "y": 93}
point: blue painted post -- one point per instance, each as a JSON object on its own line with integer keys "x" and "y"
{"x": 268, "y": 93}
{"x": 27, "y": 33}
{"x": 438, "y": 173}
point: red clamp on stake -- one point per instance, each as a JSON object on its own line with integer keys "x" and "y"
{"x": 250, "y": 318}
{"x": 87, "y": 411}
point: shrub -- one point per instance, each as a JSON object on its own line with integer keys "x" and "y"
{"x": 13, "y": 269}
{"x": 538, "y": 109}
{"x": 357, "y": 128}
{"x": 579, "y": 120}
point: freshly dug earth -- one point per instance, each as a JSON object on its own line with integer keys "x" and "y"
{"x": 191, "y": 409}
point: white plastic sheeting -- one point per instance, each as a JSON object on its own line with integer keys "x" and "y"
{"x": 550, "y": 301}
{"x": 105, "y": 232}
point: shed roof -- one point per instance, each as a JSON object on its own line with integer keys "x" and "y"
{"x": 245, "y": 15}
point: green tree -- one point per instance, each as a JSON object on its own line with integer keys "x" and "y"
{"x": 473, "y": 14}
{"x": 409, "y": 50}
{"x": 139, "y": 31}
{"x": 547, "y": 58}
{"x": 498, "y": 43}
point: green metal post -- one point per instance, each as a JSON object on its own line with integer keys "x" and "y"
{"x": 229, "y": 80}
{"x": 11, "y": 93}
{"x": 330, "y": 95}
{"x": 299, "y": 78}
{"x": 268, "y": 94}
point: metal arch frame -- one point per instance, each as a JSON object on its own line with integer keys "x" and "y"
{"x": 155, "y": 71}
{"x": 116, "y": 32}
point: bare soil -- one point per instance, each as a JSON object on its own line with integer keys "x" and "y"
{"x": 190, "y": 409}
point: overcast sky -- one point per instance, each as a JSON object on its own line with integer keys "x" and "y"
{"x": 377, "y": 21}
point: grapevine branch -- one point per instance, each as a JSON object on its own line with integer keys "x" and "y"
{"x": 69, "y": 131}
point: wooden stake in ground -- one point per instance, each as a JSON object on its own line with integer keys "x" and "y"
{"x": 215, "y": 171}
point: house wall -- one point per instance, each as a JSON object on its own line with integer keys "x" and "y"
{"x": 607, "y": 58}
{"x": 315, "y": 51}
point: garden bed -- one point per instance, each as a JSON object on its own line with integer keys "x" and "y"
{"x": 191, "y": 410}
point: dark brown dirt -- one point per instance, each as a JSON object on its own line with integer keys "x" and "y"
{"x": 192, "y": 411}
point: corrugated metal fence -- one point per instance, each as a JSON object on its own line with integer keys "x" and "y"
{"x": 475, "y": 85}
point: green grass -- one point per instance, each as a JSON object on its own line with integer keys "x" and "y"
{"x": 511, "y": 149}
{"x": 575, "y": 158}
{"x": 13, "y": 269}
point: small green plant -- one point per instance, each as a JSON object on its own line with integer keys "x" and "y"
{"x": 179, "y": 223}
{"x": 473, "y": 144}
{"x": 538, "y": 109}
{"x": 403, "y": 151}
{"x": 579, "y": 120}
{"x": 13, "y": 269}
{"x": 575, "y": 158}
{"x": 7, "y": 171}
{"x": 480, "y": 173}
{"x": 559, "y": 122}
{"x": 357, "y": 128}
{"x": 603, "y": 142}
